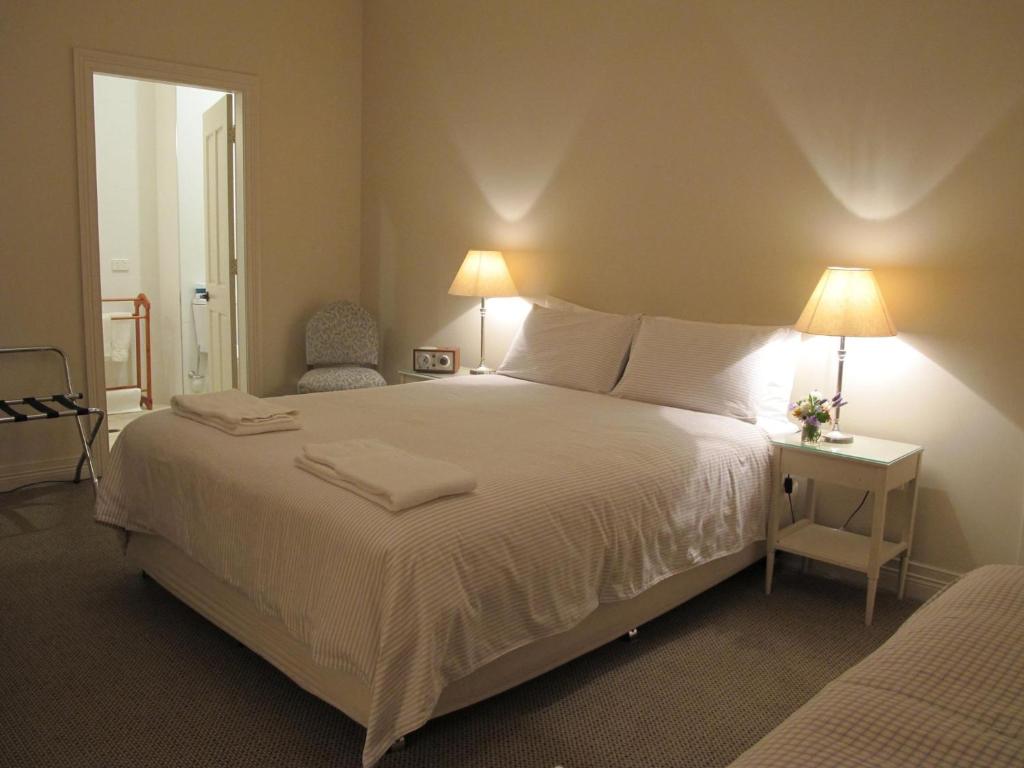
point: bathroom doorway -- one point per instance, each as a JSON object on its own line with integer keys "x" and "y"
{"x": 167, "y": 182}
{"x": 168, "y": 270}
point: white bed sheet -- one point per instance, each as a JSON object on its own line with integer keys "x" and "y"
{"x": 581, "y": 499}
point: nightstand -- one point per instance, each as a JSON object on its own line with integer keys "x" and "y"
{"x": 868, "y": 464}
{"x": 408, "y": 375}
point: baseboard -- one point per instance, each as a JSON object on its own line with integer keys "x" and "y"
{"x": 923, "y": 581}
{"x": 14, "y": 475}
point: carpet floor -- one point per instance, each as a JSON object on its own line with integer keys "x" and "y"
{"x": 99, "y": 667}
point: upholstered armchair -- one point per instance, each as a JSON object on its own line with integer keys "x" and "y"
{"x": 341, "y": 350}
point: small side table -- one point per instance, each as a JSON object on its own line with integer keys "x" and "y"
{"x": 867, "y": 464}
{"x": 408, "y": 375}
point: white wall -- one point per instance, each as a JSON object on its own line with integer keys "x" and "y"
{"x": 126, "y": 190}
{"x": 121, "y": 193}
{"x": 137, "y": 195}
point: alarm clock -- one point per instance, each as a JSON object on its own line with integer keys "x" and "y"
{"x": 435, "y": 359}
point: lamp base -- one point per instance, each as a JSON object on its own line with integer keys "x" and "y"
{"x": 481, "y": 369}
{"x": 835, "y": 436}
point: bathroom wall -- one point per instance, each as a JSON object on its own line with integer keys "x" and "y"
{"x": 123, "y": 193}
{"x": 138, "y": 218}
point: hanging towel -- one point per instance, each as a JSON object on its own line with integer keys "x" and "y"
{"x": 117, "y": 336}
{"x": 383, "y": 473}
{"x": 235, "y": 412}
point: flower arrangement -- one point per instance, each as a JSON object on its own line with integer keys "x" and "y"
{"x": 813, "y": 412}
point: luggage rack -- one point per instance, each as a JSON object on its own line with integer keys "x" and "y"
{"x": 42, "y": 408}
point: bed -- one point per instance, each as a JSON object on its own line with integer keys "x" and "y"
{"x": 592, "y": 514}
{"x": 945, "y": 691}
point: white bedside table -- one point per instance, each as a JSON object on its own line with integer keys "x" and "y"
{"x": 408, "y": 375}
{"x": 868, "y": 464}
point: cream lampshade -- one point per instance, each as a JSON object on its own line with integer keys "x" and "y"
{"x": 483, "y": 274}
{"x": 846, "y": 302}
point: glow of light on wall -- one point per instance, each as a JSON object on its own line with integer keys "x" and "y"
{"x": 513, "y": 181}
{"x": 504, "y": 316}
{"x": 513, "y": 111}
{"x": 883, "y": 106}
{"x": 871, "y": 363}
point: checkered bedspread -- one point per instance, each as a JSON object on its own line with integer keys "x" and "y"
{"x": 946, "y": 690}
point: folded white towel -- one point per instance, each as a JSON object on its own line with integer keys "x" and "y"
{"x": 383, "y": 473}
{"x": 235, "y": 412}
{"x": 117, "y": 336}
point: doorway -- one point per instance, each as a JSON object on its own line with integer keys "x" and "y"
{"x": 168, "y": 246}
{"x": 164, "y": 193}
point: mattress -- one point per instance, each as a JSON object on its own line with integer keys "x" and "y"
{"x": 945, "y": 691}
{"x": 582, "y": 499}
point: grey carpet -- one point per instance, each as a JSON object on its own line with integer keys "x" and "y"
{"x": 99, "y": 667}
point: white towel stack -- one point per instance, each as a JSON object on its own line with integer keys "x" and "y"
{"x": 383, "y": 473}
{"x": 235, "y": 412}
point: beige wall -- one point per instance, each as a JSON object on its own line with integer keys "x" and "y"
{"x": 307, "y": 56}
{"x": 708, "y": 160}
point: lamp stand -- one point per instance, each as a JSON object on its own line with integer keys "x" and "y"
{"x": 483, "y": 314}
{"x": 837, "y": 435}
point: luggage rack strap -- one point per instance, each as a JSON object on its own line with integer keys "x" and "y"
{"x": 68, "y": 402}
{"x": 42, "y": 407}
{"x": 13, "y": 414}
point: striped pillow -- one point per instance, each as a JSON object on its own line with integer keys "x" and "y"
{"x": 708, "y": 367}
{"x": 570, "y": 348}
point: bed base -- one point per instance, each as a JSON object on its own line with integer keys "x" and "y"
{"x": 266, "y": 635}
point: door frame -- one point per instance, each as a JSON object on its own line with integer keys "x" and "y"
{"x": 245, "y": 88}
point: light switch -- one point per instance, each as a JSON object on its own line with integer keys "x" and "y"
{"x": 119, "y": 265}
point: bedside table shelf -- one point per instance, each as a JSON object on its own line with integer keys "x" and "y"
{"x": 831, "y": 545}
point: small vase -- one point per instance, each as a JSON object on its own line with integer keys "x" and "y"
{"x": 809, "y": 434}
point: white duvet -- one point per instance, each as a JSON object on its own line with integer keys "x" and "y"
{"x": 581, "y": 499}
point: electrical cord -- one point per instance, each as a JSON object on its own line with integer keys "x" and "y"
{"x": 787, "y": 486}
{"x": 863, "y": 499}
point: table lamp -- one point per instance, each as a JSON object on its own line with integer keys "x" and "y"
{"x": 846, "y": 302}
{"x": 483, "y": 274}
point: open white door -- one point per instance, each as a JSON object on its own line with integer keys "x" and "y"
{"x": 221, "y": 266}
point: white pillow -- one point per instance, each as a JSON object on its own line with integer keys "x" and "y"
{"x": 578, "y": 350}
{"x": 710, "y": 367}
{"x": 777, "y": 364}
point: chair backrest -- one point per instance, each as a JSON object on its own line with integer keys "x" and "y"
{"x": 342, "y": 333}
